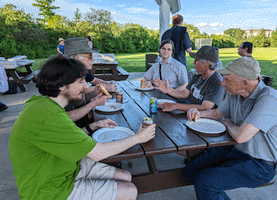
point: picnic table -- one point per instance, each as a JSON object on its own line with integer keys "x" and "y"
{"x": 19, "y": 77}
{"x": 171, "y": 136}
{"x": 108, "y": 69}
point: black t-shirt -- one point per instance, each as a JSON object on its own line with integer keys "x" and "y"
{"x": 89, "y": 77}
{"x": 210, "y": 89}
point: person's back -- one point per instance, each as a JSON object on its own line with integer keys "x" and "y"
{"x": 180, "y": 38}
{"x": 42, "y": 168}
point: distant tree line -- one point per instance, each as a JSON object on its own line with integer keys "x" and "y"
{"x": 22, "y": 34}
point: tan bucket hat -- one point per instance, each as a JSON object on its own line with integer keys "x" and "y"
{"x": 77, "y": 45}
{"x": 246, "y": 67}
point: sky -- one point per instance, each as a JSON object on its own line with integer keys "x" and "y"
{"x": 210, "y": 16}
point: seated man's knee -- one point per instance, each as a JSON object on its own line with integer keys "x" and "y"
{"x": 123, "y": 175}
{"x": 126, "y": 190}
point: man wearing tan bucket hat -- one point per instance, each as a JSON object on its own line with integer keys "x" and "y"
{"x": 78, "y": 49}
{"x": 249, "y": 113}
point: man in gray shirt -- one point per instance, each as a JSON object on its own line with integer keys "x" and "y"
{"x": 250, "y": 114}
{"x": 204, "y": 92}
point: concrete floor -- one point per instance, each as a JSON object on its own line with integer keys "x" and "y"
{"x": 8, "y": 189}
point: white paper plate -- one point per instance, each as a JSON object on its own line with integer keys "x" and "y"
{"x": 109, "y": 107}
{"x": 206, "y": 126}
{"x": 107, "y": 134}
{"x": 161, "y": 101}
{"x": 145, "y": 89}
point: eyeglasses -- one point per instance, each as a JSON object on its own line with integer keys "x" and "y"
{"x": 164, "y": 49}
{"x": 88, "y": 56}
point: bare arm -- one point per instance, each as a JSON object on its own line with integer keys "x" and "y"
{"x": 105, "y": 150}
{"x": 59, "y": 51}
{"x": 109, "y": 86}
{"x": 189, "y": 49}
{"x": 206, "y": 105}
{"x": 78, "y": 113}
{"x": 211, "y": 114}
{"x": 179, "y": 92}
{"x": 241, "y": 133}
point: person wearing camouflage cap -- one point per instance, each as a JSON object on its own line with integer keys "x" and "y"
{"x": 249, "y": 112}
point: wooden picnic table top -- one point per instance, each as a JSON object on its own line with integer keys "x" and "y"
{"x": 171, "y": 133}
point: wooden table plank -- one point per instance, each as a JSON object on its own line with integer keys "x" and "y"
{"x": 174, "y": 130}
{"x": 134, "y": 152}
{"x": 134, "y": 115}
{"x": 211, "y": 141}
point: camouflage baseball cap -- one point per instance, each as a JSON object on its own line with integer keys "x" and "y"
{"x": 246, "y": 67}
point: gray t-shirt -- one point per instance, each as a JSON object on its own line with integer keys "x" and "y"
{"x": 260, "y": 110}
{"x": 210, "y": 89}
{"x": 174, "y": 71}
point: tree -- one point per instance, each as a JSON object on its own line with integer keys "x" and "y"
{"x": 100, "y": 16}
{"x": 274, "y": 39}
{"x": 77, "y": 16}
{"x": 45, "y": 8}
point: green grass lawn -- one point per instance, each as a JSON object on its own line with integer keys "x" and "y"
{"x": 135, "y": 62}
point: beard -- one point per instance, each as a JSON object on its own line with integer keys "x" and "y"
{"x": 74, "y": 102}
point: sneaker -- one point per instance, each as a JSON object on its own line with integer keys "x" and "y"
{"x": 3, "y": 107}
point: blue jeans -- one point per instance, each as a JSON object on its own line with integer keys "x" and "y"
{"x": 226, "y": 168}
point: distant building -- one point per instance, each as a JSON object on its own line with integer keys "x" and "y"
{"x": 254, "y": 32}
{"x": 199, "y": 42}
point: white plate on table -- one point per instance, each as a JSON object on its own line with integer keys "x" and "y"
{"x": 109, "y": 107}
{"x": 161, "y": 101}
{"x": 107, "y": 134}
{"x": 145, "y": 89}
{"x": 207, "y": 126}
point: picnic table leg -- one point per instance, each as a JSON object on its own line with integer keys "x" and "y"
{"x": 16, "y": 79}
{"x": 151, "y": 164}
{"x": 28, "y": 68}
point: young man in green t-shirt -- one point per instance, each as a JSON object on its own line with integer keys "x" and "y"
{"x": 54, "y": 159}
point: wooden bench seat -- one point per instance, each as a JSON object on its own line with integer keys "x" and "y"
{"x": 109, "y": 74}
{"x": 26, "y": 79}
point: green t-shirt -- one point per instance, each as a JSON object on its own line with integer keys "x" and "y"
{"x": 45, "y": 148}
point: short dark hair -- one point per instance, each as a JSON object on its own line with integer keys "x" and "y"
{"x": 177, "y": 19}
{"x": 57, "y": 72}
{"x": 249, "y": 46}
{"x": 89, "y": 38}
{"x": 167, "y": 41}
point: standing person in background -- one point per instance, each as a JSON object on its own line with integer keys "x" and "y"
{"x": 180, "y": 38}
{"x": 245, "y": 49}
{"x": 60, "y": 47}
{"x": 89, "y": 41}
{"x": 4, "y": 86}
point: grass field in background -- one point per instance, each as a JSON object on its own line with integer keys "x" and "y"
{"x": 135, "y": 62}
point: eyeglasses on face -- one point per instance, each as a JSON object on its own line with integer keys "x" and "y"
{"x": 166, "y": 49}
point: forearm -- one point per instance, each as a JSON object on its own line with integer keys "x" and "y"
{"x": 90, "y": 93}
{"x": 187, "y": 107}
{"x": 241, "y": 133}
{"x": 77, "y": 114}
{"x": 182, "y": 87}
{"x": 178, "y": 93}
{"x": 97, "y": 81}
{"x": 104, "y": 150}
{"x": 211, "y": 114}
